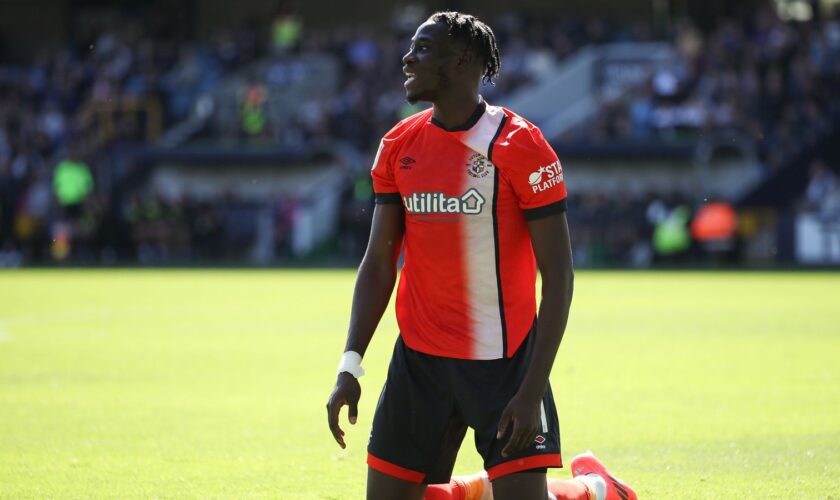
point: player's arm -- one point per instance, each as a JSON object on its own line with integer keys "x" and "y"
{"x": 374, "y": 285}
{"x": 552, "y": 248}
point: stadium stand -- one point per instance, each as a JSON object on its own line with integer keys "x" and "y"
{"x": 152, "y": 118}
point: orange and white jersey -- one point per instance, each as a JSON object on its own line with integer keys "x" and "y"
{"x": 467, "y": 289}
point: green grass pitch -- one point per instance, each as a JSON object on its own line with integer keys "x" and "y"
{"x": 212, "y": 384}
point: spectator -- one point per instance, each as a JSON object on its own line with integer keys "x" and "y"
{"x": 823, "y": 191}
{"x": 286, "y": 31}
{"x": 72, "y": 183}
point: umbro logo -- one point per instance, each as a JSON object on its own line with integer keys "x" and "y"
{"x": 407, "y": 161}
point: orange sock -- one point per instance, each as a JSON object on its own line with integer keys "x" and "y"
{"x": 453, "y": 491}
{"x": 569, "y": 489}
{"x": 460, "y": 488}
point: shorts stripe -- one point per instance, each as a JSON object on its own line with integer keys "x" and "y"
{"x": 543, "y": 417}
{"x": 395, "y": 470}
{"x": 521, "y": 464}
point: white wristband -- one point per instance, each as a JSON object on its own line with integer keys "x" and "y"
{"x": 351, "y": 362}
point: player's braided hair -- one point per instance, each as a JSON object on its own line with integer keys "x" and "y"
{"x": 477, "y": 36}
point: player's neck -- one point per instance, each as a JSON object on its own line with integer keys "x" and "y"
{"x": 453, "y": 111}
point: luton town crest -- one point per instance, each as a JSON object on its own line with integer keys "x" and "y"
{"x": 478, "y": 166}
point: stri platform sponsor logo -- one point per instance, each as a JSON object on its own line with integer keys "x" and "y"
{"x": 469, "y": 203}
{"x": 546, "y": 177}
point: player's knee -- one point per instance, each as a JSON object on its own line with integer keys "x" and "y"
{"x": 381, "y": 486}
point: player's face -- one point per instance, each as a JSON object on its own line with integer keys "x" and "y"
{"x": 427, "y": 63}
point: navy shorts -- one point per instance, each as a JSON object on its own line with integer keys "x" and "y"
{"x": 429, "y": 401}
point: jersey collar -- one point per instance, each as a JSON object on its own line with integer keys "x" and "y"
{"x": 470, "y": 123}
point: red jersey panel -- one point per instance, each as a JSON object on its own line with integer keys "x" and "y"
{"x": 467, "y": 288}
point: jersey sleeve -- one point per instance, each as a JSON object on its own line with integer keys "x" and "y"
{"x": 384, "y": 185}
{"x": 532, "y": 168}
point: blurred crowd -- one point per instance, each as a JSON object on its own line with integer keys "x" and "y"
{"x": 367, "y": 97}
{"x": 775, "y": 82}
{"x": 62, "y": 116}
{"x": 67, "y": 192}
{"x": 529, "y": 46}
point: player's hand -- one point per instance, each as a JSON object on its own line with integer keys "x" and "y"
{"x": 524, "y": 416}
{"x": 347, "y": 391}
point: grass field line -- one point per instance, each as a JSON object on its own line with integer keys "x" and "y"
{"x": 5, "y": 337}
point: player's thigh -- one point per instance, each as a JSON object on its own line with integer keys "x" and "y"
{"x": 520, "y": 486}
{"x": 384, "y": 487}
{"x": 417, "y": 430}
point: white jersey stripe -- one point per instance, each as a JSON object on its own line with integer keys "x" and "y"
{"x": 483, "y": 292}
{"x": 483, "y": 289}
{"x": 481, "y": 135}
